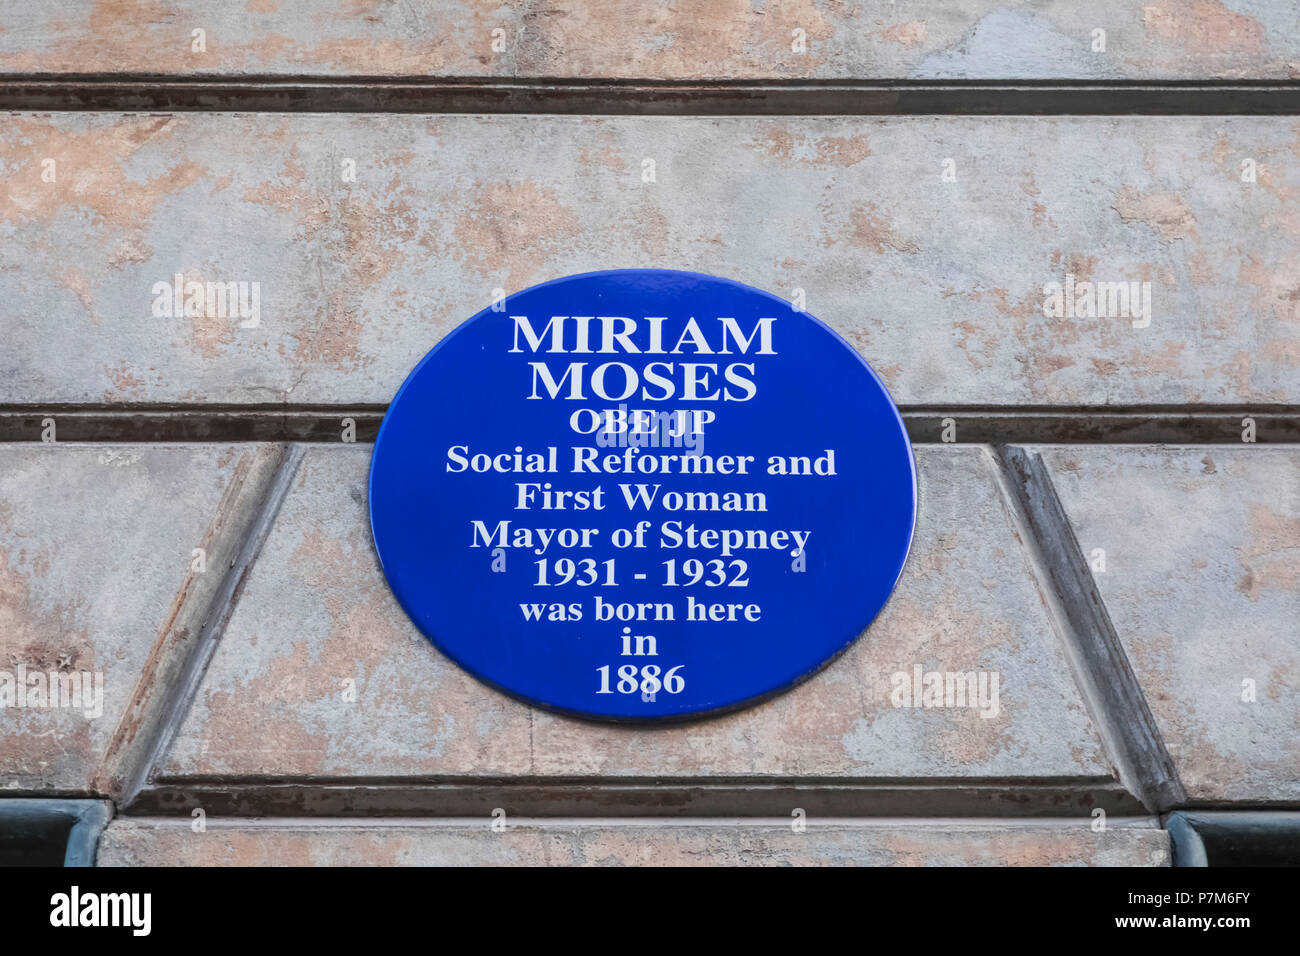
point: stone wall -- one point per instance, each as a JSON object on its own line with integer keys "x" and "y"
{"x": 1109, "y": 498}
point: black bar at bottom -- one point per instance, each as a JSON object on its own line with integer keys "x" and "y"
{"x": 939, "y": 908}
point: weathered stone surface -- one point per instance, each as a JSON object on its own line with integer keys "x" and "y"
{"x": 694, "y": 39}
{"x": 461, "y": 842}
{"x": 317, "y": 614}
{"x": 939, "y": 284}
{"x": 1202, "y": 582}
{"x": 95, "y": 544}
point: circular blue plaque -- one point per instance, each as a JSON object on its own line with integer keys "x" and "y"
{"x": 642, "y": 495}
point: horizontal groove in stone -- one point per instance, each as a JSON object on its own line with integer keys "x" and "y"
{"x": 1055, "y": 799}
{"x": 732, "y": 781}
{"x": 969, "y": 822}
{"x": 970, "y": 425}
{"x": 646, "y": 97}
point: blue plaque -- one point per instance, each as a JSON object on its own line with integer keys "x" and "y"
{"x": 642, "y": 495}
